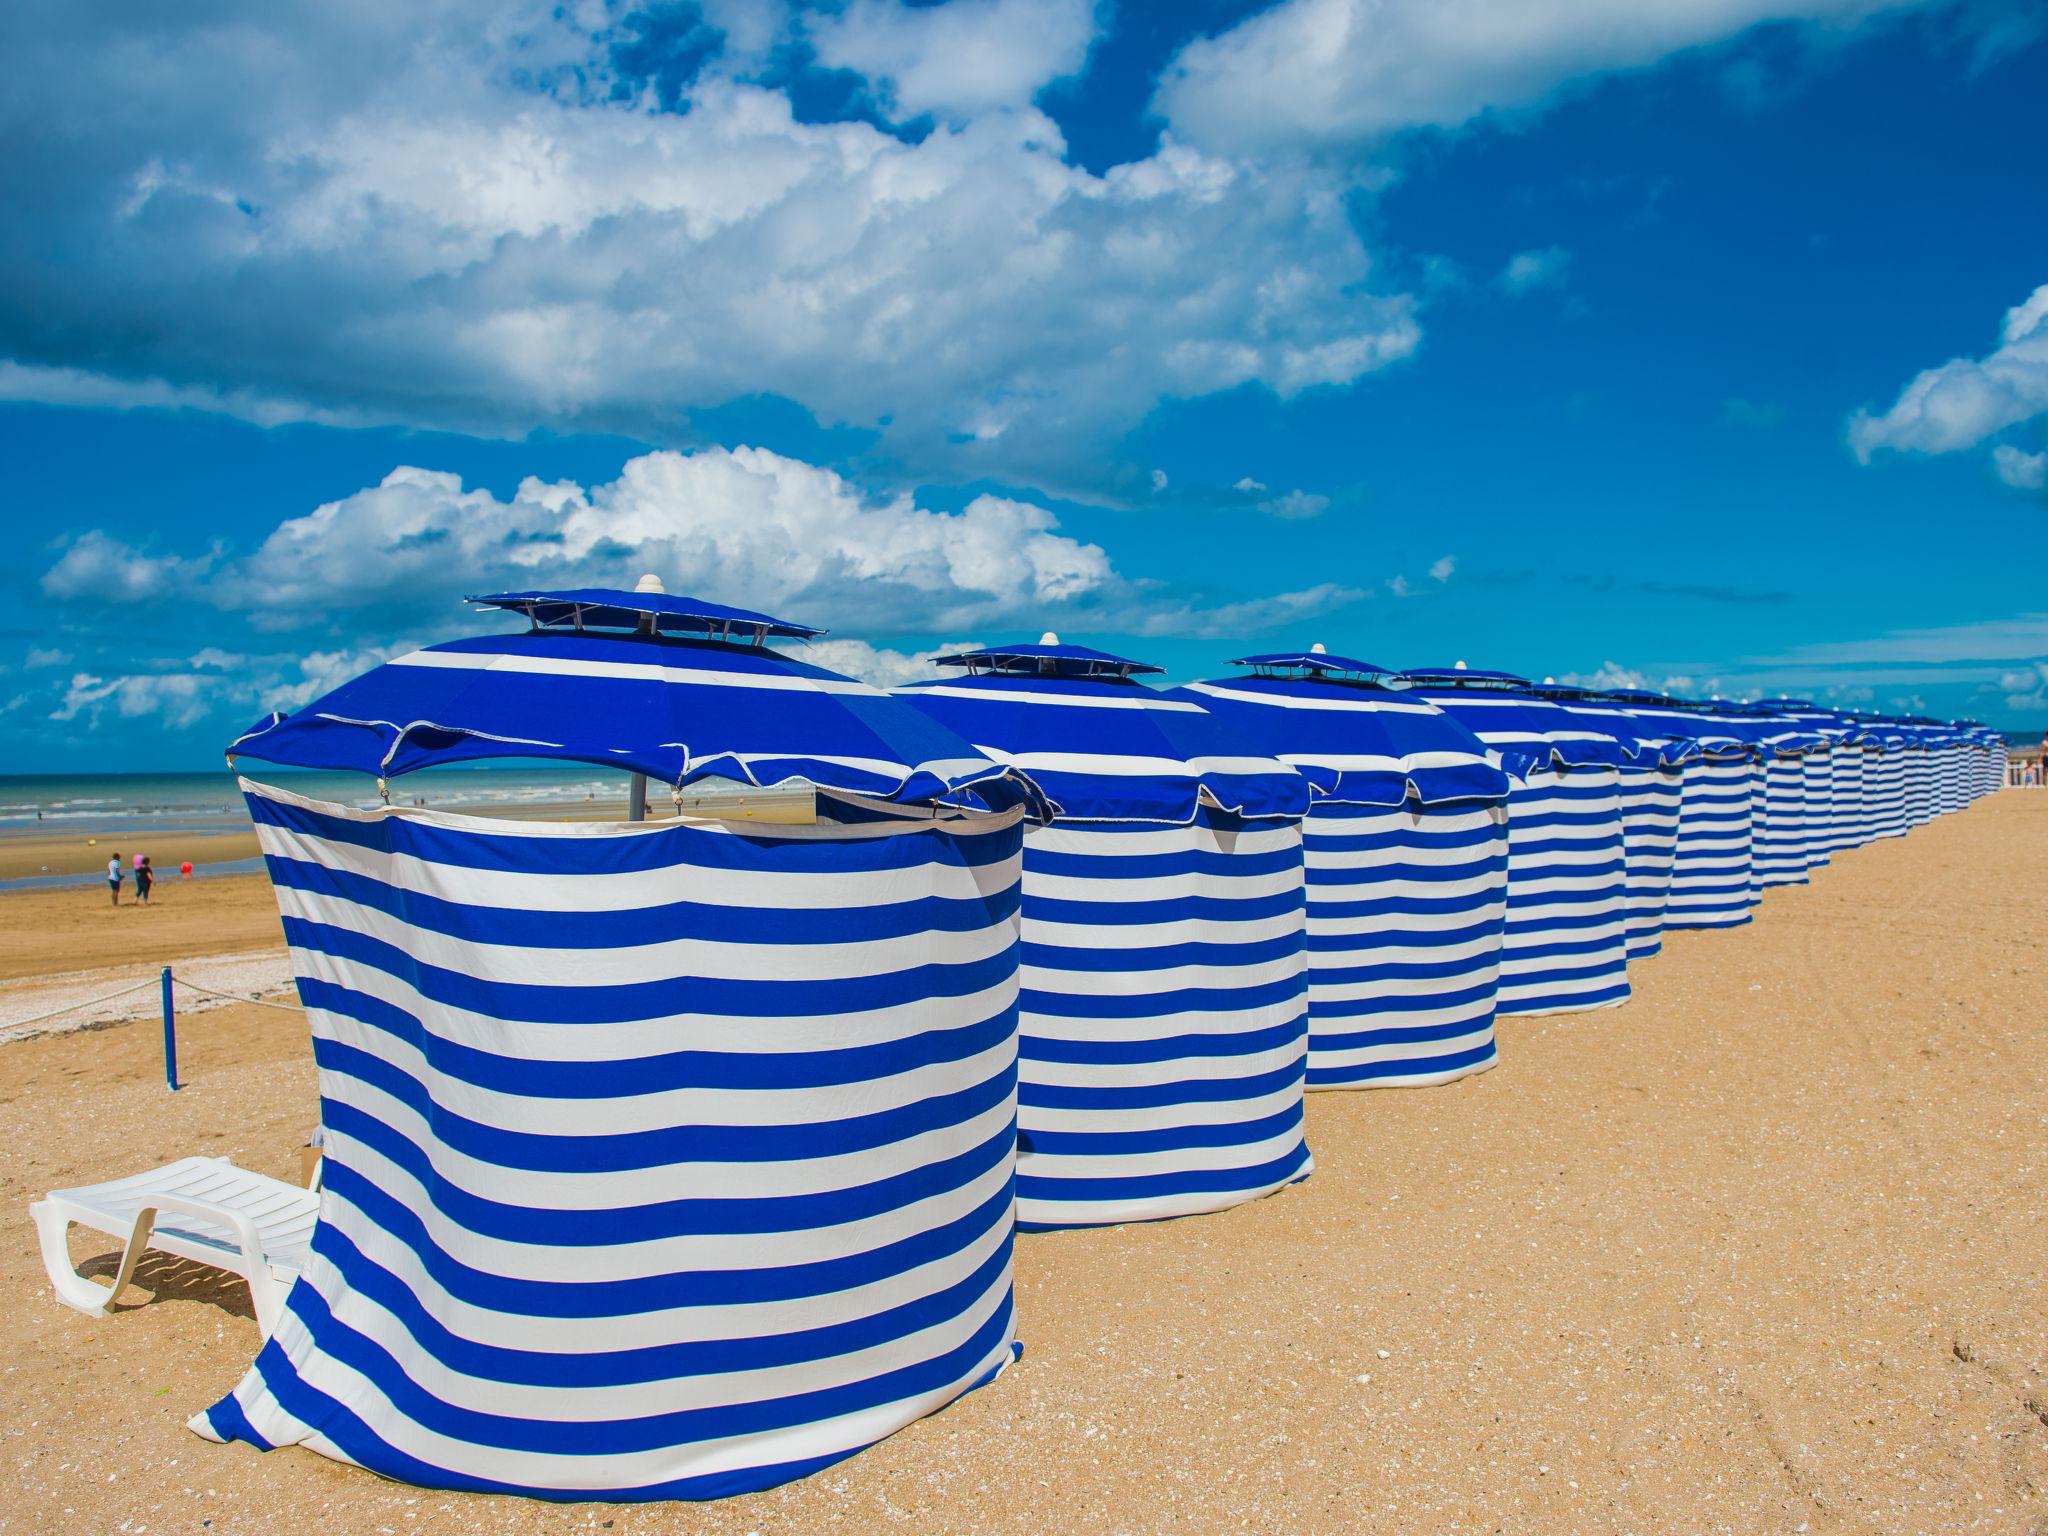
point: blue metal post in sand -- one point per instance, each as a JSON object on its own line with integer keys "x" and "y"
{"x": 170, "y": 1035}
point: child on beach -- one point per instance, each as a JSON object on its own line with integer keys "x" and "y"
{"x": 114, "y": 878}
{"x": 145, "y": 877}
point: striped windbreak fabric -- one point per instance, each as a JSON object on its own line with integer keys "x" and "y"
{"x": 1164, "y": 1014}
{"x": 662, "y": 1160}
{"x": 1848, "y": 760}
{"x": 1566, "y": 944}
{"x": 1406, "y": 850}
{"x": 1653, "y": 769}
{"x": 1885, "y": 782}
{"x": 1781, "y": 833}
{"x": 1711, "y": 858}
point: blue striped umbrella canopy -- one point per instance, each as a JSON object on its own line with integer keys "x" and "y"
{"x": 676, "y": 708}
{"x": 1504, "y": 711}
{"x": 1354, "y": 740}
{"x": 1101, "y": 746}
{"x": 1644, "y": 739}
{"x": 1406, "y": 852}
{"x": 1162, "y": 1011}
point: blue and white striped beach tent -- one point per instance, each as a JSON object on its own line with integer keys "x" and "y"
{"x": 1711, "y": 860}
{"x": 1917, "y": 806}
{"x": 1786, "y": 829}
{"x": 1406, "y": 847}
{"x": 1820, "y": 825}
{"x": 1566, "y": 946}
{"x": 1989, "y": 757}
{"x": 1163, "y": 1024}
{"x": 1885, "y": 769}
{"x": 1653, "y": 767}
{"x": 1777, "y": 791}
{"x": 1952, "y": 781}
{"x": 1793, "y": 827}
{"x": 662, "y": 1160}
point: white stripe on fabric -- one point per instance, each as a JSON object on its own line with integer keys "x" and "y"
{"x": 632, "y": 671}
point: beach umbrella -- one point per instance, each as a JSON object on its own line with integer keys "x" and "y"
{"x": 1653, "y": 767}
{"x": 1712, "y": 854}
{"x": 1406, "y": 849}
{"x": 1163, "y": 1022}
{"x": 1566, "y": 945}
{"x": 663, "y": 1159}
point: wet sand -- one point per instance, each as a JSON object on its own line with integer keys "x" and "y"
{"x": 80, "y": 854}
{"x": 1762, "y": 1251}
{"x": 75, "y": 928}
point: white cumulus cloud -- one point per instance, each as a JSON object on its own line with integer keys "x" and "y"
{"x": 1330, "y": 72}
{"x": 1527, "y": 271}
{"x": 472, "y": 215}
{"x": 743, "y": 525}
{"x": 1966, "y": 400}
{"x": 2021, "y": 470}
{"x": 961, "y": 59}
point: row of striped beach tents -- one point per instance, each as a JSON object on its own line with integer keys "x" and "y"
{"x": 676, "y": 1159}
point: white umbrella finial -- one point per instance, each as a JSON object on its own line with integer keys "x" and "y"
{"x": 650, "y": 583}
{"x": 1317, "y": 649}
{"x": 1048, "y": 638}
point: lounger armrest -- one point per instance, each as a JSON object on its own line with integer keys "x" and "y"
{"x": 266, "y": 1295}
{"x": 227, "y": 1216}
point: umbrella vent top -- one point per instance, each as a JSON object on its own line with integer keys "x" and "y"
{"x": 1048, "y": 658}
{"x": 1462, "y": 676}
{"x": 1313, "y": 662}
{"x": 647, "y": 609}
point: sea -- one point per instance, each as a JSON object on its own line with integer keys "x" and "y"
{"x": 137, "y": 806}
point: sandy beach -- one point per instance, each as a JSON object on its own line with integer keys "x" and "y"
{"x": 1761, "y": 1251}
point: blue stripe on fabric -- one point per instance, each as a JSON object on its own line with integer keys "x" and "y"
{"x": 1223, "y": 1000}
{"x": 597, "y": 1299}
{"x": 657, "y": 1362}
{"x": 632, "y": 1001}
{"x": 229, "y": 1421}
{"x": 1166, "y": 1048}
{"x": 1402, "y": 1066}
{"x": 1130, "y": 1096}
{"x": 1223, "y": 953}
{"x": 1233, "y": 864}
{"x": 736, "y": 1212}
{"x": 664, "y": 1146}
{"x": 1115, "y": 910}
{"x": 347, "y": 1430}
{"x": 615, "y": 1437}
{"x": 1291, "y": 1165}
{"x": 666, "y": 921}
{"x": 1165, "y": 1138}
{"x": 630, "y": 1076}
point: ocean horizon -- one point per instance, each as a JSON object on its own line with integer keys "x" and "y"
{"x": 96, "y": 804}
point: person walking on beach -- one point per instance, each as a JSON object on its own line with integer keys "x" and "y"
{"x": 145, "y": 877}
{"x": 114, "y": 878}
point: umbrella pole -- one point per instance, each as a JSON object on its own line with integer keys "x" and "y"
{"x": 636, "y": 799}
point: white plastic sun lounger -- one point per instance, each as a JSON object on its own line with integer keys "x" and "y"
{"x": 200, "y": 1208}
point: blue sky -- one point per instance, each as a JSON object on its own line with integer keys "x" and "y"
{"x": 1704, "y": 344}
